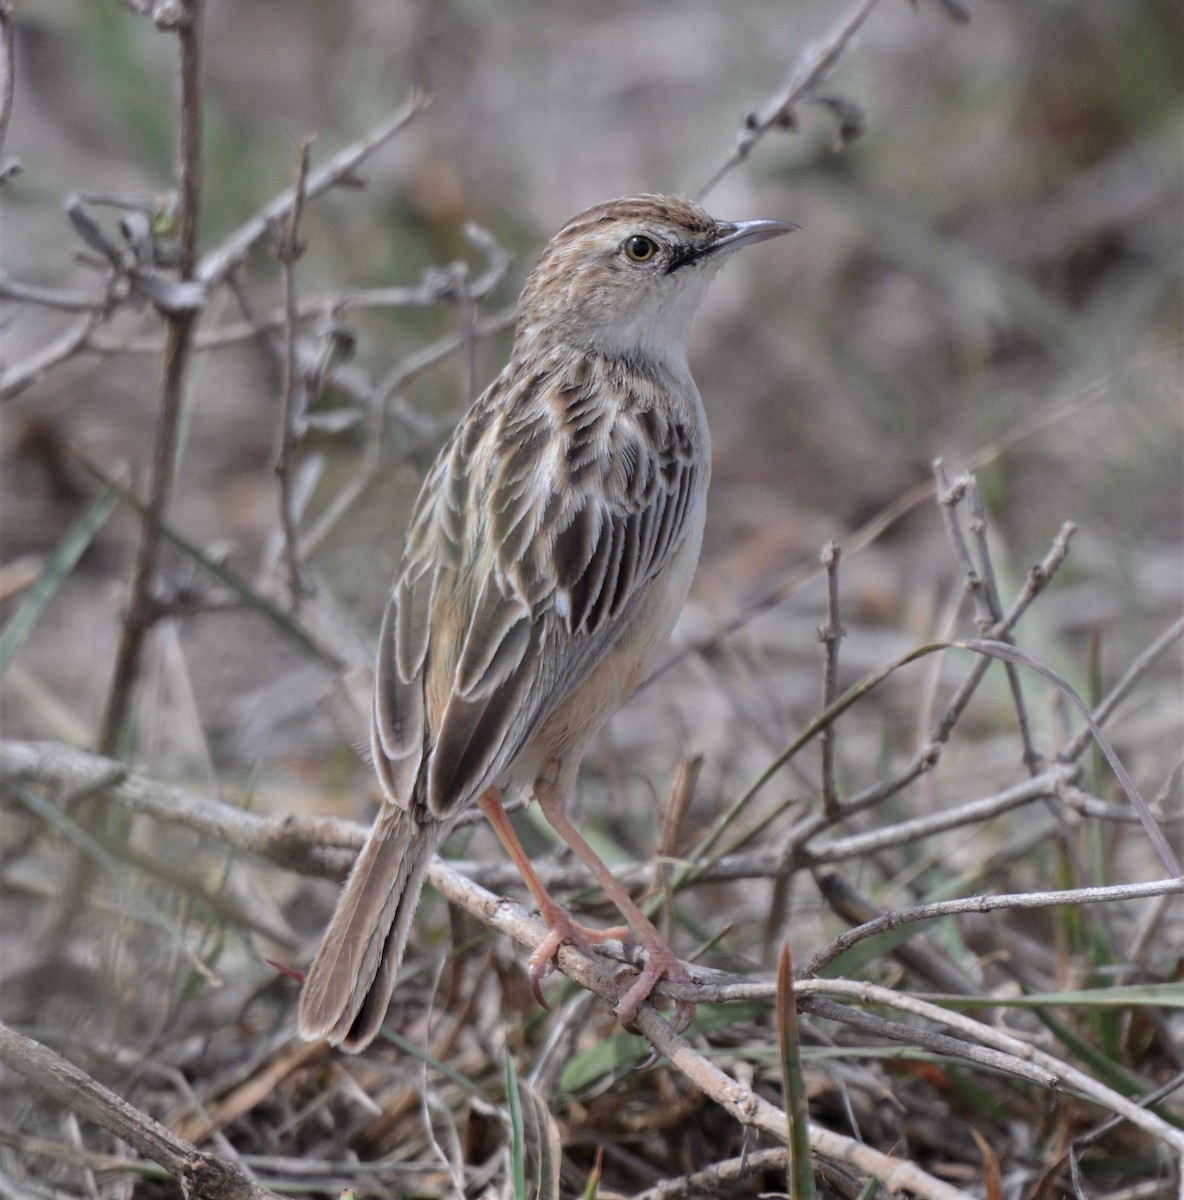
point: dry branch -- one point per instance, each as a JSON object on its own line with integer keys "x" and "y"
{"x": 179, "y": 325}
{"x": 777, "y": 112}
{"x": 299, "y": 844}
{"x": 338, "y": 171}
{"x": 202, "y": 1176}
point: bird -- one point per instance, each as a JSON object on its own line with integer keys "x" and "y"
{"x": 548, "y": 555}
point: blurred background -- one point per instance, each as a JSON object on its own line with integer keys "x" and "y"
{"x": 989, "y": 272}
{"x": 993, "y": 265}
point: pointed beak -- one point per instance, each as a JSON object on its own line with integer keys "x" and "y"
{"x": 731, "y": 236}
{"x": 734, "y": 234}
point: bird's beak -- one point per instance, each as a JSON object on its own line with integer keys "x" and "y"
{"x": 734, "y": 234}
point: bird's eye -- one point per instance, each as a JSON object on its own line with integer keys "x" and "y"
{"x": 640, "y": 249}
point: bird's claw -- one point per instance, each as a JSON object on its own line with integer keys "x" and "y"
{"x": 660, "y": 964}
{"x": 563, "y": 929}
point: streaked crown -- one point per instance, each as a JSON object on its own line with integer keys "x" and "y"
{"x": 624, "y": 278}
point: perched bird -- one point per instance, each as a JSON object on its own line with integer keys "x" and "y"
{"x": 548, "y": 556}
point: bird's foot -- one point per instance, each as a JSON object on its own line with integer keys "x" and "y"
{"x": 564, "y": 929}
{"x": 660, "y": 963}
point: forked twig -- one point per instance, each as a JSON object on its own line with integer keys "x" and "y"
{"x": 981, "y": 584}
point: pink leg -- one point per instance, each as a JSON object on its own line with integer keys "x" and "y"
{"x": 661, "y": 962}
{"x": 557, "y": 919}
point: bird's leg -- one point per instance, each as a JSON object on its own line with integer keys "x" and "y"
{"x": 557, "y": 919}
{"x": 661, "y": 962}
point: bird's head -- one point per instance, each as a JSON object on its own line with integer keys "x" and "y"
{"x": 624, "y": 278}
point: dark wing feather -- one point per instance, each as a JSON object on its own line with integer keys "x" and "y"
{"x": 537, "y": 534}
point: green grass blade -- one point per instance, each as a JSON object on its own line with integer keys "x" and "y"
{"x": 152, "y": 913}
{"x": 517, "y": 1130}
{"x": 254, "y": 600}
{"x": 461, "y": 1081}
{"x": 59, "y": 566}
{"x": 801, "y": 1168}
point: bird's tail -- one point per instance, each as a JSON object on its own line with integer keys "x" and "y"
{"x": 349, "y": 984}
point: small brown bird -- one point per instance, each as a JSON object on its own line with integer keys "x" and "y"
{"x": 549, "y": 553}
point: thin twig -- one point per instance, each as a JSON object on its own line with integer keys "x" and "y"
{"x": 678, "y": 804}
{"x": 812, "y": 69}
{"x": 994, "y": 608}
{"x": 7, "y": 80}
{"x": 65, "y": 301}
{"x": 1145, "y": 662}
{"x": 428, "y": 293}
{"x": 903, "y": 833}
{"x": 139, "y": 615}
{"x": 981, "y": 584}
{"x": 1064, "y": 1075}
{"x": 830, "y": 635}
{"x": 14, "y": 379}
{"x": 985, "y": 904}
{"x": 202, "y": 1176}
{"x": 288, "y": 250}
{"x": 217, "y": 264}
{"x": 721, "y": 1178}
{"x": 308, "y": 845}
{"x": 935, "y": 969}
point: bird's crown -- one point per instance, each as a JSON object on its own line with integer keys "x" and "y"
{"x": 624, "y": 277}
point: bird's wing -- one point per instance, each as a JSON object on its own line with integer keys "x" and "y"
{"x": 537, "y": 534}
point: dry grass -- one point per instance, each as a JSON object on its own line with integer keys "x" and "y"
{"x": 868, "y": 755}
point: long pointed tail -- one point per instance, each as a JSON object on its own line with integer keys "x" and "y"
{"x": 349, "y": 984}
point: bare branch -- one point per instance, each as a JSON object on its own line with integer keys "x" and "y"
{"x": 14, "y": 379}
{"x": 7, "y": 84}
{"x": 1148, "y": 659}
{"x": 311, "y": 846}
{"x": 830, "y": 635}
{"x": 288, "y": 250}
{"x": 982, "y": 585}
{"x": 138, "y": 616}
{"x": 811, "y": 70}
{"x": 202, "y": 1176}
{"x": 216, "y": 265}
{"x": 29, "y": 293}
{"x": 985, "y": 904}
